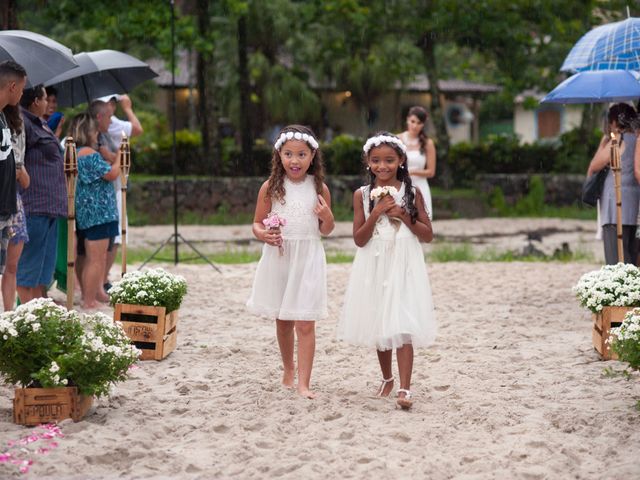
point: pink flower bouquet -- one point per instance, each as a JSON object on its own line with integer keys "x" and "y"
{"x": 273, "y": 222}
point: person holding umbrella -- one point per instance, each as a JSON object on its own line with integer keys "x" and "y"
{"x": 13, "y": 78}
{"x": 114, "y": 130}
{"x": 44, "y": 201}
{"x": 621, "y": 119}
{"x": 96, "y": 213}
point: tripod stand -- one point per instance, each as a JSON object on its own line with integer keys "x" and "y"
{"x": 175, "y": 237}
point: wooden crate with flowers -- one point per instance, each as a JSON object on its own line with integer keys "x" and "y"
{"x": 146, "y": 305}
{"x": 61, "y": 359}
{"x": 610, "y": 293}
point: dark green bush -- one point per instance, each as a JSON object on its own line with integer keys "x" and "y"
{"x": 343, "y": 155}
{"x": 504, "y": 154}
{"x": 153, "y": 154}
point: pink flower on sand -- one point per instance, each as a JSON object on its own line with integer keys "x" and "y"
{"x": 273, "y": 222}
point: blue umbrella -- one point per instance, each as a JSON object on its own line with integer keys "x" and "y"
{"x": 614, "y": 46}
{"x": 597, "y": 86}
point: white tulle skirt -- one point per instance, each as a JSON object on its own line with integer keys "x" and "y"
{"x": 292, "y": 286}
{"x": 388, "y": 301}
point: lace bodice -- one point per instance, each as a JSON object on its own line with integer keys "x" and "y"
{"x": 300, "y": 200}
{"x": 384, "y": 229}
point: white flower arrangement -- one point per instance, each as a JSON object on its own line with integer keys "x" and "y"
{"x": 613, "y": 285}
{"x": 625, "y": 339}
{"x": 153, "y": 287}
{"x": 44, "y": 344}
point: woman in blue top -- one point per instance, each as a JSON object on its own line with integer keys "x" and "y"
{"x": 96, "y": 211}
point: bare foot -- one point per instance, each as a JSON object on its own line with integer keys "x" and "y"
{"x": 102, "y": 297}
{"x": 90, "y": 305}
{"x": 305, "y": 392}
{"x": 288, "y": 378}
{"x": 385, "y": 388}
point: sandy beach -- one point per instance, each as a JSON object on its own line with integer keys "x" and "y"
{"x": 512, "y": 387}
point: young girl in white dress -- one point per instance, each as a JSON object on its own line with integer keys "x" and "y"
{"x": 388, "y": 301}
{"x": 291, "y": 283}
{"x": 421, "y": 154}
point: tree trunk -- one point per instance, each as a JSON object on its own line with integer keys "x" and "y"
{"x": 427, "y": 44}
{"x": 245, "y": 92}
{"x": 207, "y": 108}
{"x": 9, "y": 14}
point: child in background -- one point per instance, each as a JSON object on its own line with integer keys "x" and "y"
{"x": 388, "y": 301}
{"x": 290, "y": 283}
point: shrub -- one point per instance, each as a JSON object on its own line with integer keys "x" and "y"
{"x": 44, "y": 343}
{"x": 343, "y": 155}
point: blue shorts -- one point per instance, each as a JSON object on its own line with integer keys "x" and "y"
{"x": 97, "y": 232}
{"x": 38, "y": 259}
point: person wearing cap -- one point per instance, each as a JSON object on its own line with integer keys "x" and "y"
{"x": 109, "y": 141}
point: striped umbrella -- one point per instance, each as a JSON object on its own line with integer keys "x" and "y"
{"x": 614, "y": 46}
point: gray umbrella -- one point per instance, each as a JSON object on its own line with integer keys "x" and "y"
{"x": 40, "y": 56}
{"x": 100, "y": 73}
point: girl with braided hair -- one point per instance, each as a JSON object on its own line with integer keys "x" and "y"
{"x": 388, "y": 301}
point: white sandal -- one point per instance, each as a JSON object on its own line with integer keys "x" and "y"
{"x": 384, "y": 384}
{"x": 404, "y": 402}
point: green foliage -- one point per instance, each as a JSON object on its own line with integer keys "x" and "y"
{"x": 154, "y": 287}
{"x": 343, "y": 155}
{"x": 466, "y": 253}
{"x": 533, "y": 202}
{"x": 625, "y": 339}
{"x": 152, "y": 153}
{"x": 44, "y": 343}
{"x": 505, "y": 154}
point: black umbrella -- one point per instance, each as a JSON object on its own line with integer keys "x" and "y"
{"x": 40, "y": 56}
{"x": 100, "y": 73}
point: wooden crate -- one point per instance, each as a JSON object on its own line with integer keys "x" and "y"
{"x": 33, "y": 406}
{"x": 608, "y": 318}
{"x": 149, "y": 328}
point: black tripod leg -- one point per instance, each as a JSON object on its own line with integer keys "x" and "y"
{"x": 157, "y": 250}
{"x": 198, "y": 252}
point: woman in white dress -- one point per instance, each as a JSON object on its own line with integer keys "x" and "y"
{"x": 421, "y": 154}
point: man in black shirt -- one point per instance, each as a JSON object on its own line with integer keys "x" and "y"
{"x": 12, "y": 80}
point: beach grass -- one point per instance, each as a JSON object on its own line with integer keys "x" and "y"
{"x": 464, "y": 252}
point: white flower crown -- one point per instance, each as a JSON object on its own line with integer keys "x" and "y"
{"x": 379, "y": 140}
{"x": 312, "y": 142}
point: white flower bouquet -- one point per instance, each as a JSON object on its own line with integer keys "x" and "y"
{"x": 44, "y": 344}
{"x": 611, "y": 286}
{"x": 625, "y": 339}
{"x": 153, "y": 287}
{"x": 379, "y": 193}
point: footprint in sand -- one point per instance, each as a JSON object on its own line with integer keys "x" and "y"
{"x": 333, "y": 416}
{"x": 442, "y": 388}
{"x": 221, "y": 428}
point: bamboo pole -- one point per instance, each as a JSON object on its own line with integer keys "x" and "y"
{"x": 615, "y": 166}
{"x": 71, "y": 172}
{"x": 125, "y": 165}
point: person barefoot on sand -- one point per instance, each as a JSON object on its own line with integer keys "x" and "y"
{"x": 292, "y": 211}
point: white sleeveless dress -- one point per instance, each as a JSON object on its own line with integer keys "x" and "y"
{"x": 417, "y": 161}
{"x": 388, "y": 301}
{"x": 293, "y": 286}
